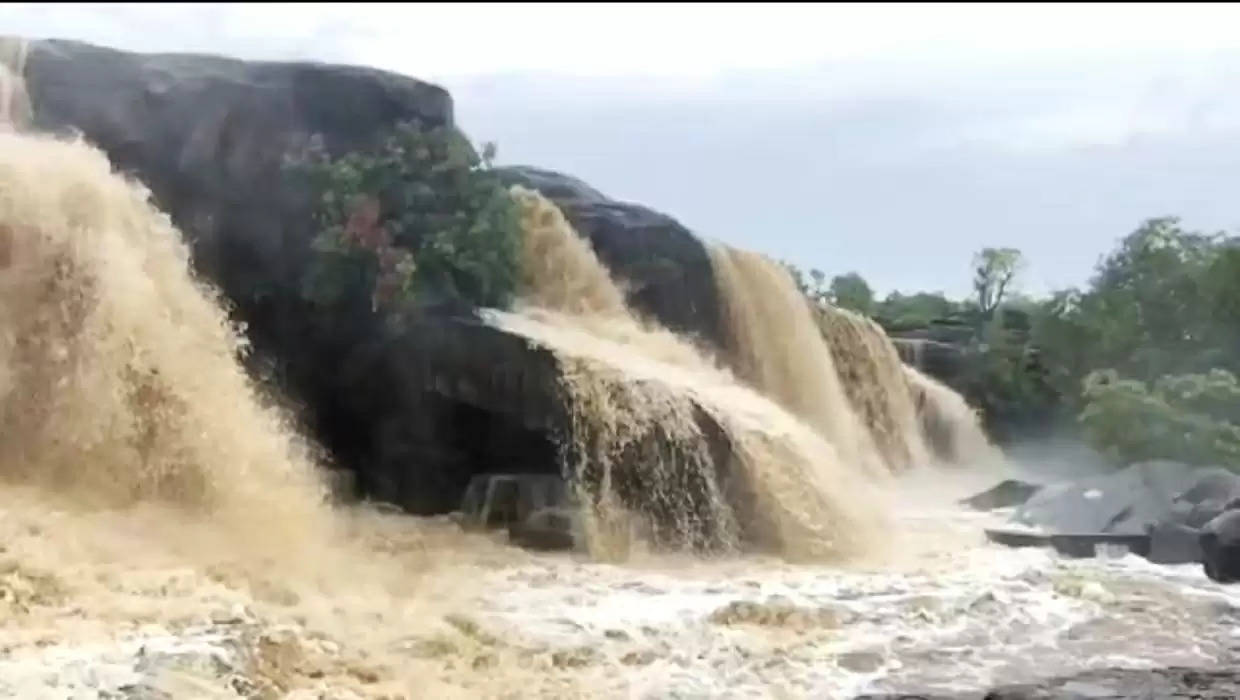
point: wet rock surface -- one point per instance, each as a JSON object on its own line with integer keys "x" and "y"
{"x": 665, "y": 268}
{"x": 1124, "y": 502}
{"x": 1007, "y": 493}
{"x": 1169, "y": 513}
{"x": 1116, "y": 684}
{"x": 1220, "y": 544}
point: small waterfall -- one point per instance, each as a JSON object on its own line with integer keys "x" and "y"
{"x": 874, "y": 381}
{"x": 952, "y": 428}
{"x": 15, "y": 110}
{"x": 662, "y": 433}
{"x": 775, "y": 344}
{"x": 912, "y": 351}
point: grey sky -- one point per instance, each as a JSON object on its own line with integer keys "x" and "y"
{"x": 893, "y": 140}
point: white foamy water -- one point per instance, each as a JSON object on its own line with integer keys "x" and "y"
{"x": 955, "y": 618}
{"x": 945, "y": 611}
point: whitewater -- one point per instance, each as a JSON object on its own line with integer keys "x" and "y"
{"x": 165, "y": 532}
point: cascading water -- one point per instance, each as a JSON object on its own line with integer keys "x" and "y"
{"x": 14, "y": 102}
{"x": 838, "y": 371}
{"x": 776, "y": 345}
{"x": 874, "y": 381}
{"x": 951, "y": 426}
{"x": 644, "y": 406}
{"x": 161, "y": 528}
{"x": 119, "y": 379}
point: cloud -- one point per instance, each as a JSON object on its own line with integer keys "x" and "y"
{"x": 890, "y": 139}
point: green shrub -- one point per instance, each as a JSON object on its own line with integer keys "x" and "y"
{"x": 421, "y": 218}
{"x": 1191, "y": 418}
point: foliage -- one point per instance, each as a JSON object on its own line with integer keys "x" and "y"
{"x": 421, "y": 218}
{"x": 1164, "y": 302}
{"x": 1193, "y": 418}
{"x": 1162, "y": 311}
{"x": 812, "y": 288}
{"x": 851, "y": 291}
{"x": 994, "y": 270}
{"x": 899, "y": 311}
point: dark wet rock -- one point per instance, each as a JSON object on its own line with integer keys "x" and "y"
{"x": 498, "y": 500}
{"x": 1172, "y": 543}
{"x": 1212, "y": 485}
{"x": 945, "y": 361}
{"x": 1160, "y": 506}
{"x": 1113, "y": 684}
{"x": 546, "y": 529}
{"x": 1125, "y": 502}
{"x": 666, "y": 270}
{"x": 209, "y": 135}
{"x": 426, "y": 409}
{"x": 1009, "y": 492}
{"x": 1220, "y": 545}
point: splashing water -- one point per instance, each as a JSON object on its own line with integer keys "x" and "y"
{"x": 645, "y": 404}
{"x": 119, "y": 379}
{"x": 151, "y": 505}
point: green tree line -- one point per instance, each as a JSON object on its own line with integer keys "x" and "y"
{"x": 1141, "y": 361}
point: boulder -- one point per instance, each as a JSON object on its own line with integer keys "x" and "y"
{"x": 1220, "y": 546}
{"x": 665, "y": 270}
{"x": 209, "y": 136}
{"x": 1173, "y": 543}
{"x": 1129, "y": 501}
{"x": 546, "y": 529}
{"x": 1007, "y": 493}
{"x": 1168, "y": 512}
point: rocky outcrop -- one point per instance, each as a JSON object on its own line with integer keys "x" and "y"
{"x": 414, "y": 413}
{"x": 1005, "y": 494}
{"x": 209, "y": 137}
{"x": 1125, "y": 502}
{"x": 664, "y": 268}
{"x": 1168, "y": 512}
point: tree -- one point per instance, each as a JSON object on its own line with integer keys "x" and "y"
{"x": 994, "y": 270}
{"x": 1191, "y": 418}
{"x": 899, "y": 311}
{"x": 421, "y": 217}
{"x": 813, "y": 289}
{"x": 850, "y": 291}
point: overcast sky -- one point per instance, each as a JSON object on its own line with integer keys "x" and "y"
{"x": 891, "y": 140}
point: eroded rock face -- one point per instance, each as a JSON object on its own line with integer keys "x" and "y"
{"x": 664, "y": 268}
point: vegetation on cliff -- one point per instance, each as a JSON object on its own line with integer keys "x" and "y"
{"x": 422, "y": 218}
